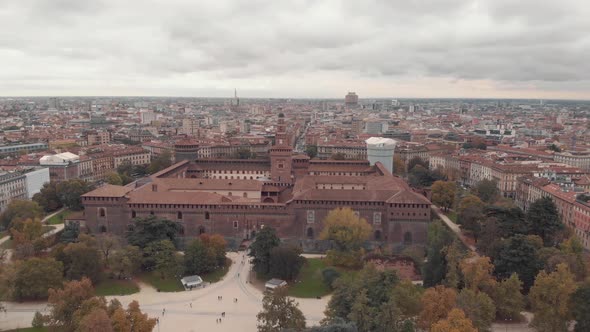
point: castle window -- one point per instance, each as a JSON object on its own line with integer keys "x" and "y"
{"x": 102, "y": 212}
{"x": 407, "y": 238}
{"x": 133, "y": 214}
{"x": 235, "y": 224}
{"x": 310, "y": 216}
{"x": 377, "y": 235}
{"x": 377, "y": 218}
{"x": 152, "y": 213}
{"x": 207, "y": 216}
{"x": 179, "y": 215}
{"x": 310, "y": 233}
{"x": 103, "y": 229}
{"x": 245, "y": 195}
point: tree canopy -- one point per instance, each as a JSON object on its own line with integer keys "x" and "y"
{"x": 260, "y": 249}
{"x": 348, "y": 232}
{"x": 443, "y": 194}
{"x": 19, "y": 210}
{"x": 150, "y": 229}
{"x": 543, "y": 220}
{"x": 279, "y": 313}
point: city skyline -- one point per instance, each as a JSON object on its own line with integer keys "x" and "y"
{"x": 436, "y": 49}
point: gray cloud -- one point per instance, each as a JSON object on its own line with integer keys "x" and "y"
{"x": 68, "y": 46}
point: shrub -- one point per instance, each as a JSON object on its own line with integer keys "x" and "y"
{"x": 329, "y": 275}
{"x": 38, "y": 320}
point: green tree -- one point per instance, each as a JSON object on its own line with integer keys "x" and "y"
{"x": 510, "y": 221}
{"x": 363, "y": 315}
{"x": 38, "y": 320}
{"x": 550, "y": 300}
{"x": 478, "y": 307}
{"x": 311, "y": 151}
{"x": 285, "y": 262}
{"x": 453, "y": 257}
{"x": 518, "y": 255}
{"x": 81, "y": 260}
{"x": 33, "y": 277}
{"x": 160, "y": 256}
{"x": 434, "y": 269}
{"x": 487, "y": 190}
{"x": 126, "y": 261}
{"x": 417, "y": 161}
{"x": 508, "y": 298}
{"x": 70, "y": 191}
{"x": 151, "y": 229}
{"x": 260, "y": 249}
{"x": 198, "y": 259}
{"x": 70, "y": 233}
{"x": 164, "y": 160}
{"x": 443, "y": 194}
{"x": 279, "y": 312}
{"x": 543, "y": 220}
{"x": 407, "y": 297}
{"x": 48, "y": 198}
{"x": 470, "y": 214}
{"x": 20, "y": 210}
{"x": 114, "y": 179}
{"x": 580, "y": 307}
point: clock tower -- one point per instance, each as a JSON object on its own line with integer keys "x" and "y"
{"x": 281, "y": 154}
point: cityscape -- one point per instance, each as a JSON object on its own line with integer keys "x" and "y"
{"x": 295, "y": 167}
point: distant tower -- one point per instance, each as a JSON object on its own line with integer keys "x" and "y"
{"x": 351, "y": 99}
{"x": 381, "y": 149}
{"x": 236, "y": 99}
{"x": 281, "y": 154}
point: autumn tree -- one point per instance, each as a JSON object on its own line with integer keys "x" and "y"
{"x": 138, "y": 320}
{"x": 417, "y": 161}
{"x": 399, "y": 167}
{"x": 453, "y": 257}
{"x": 478, "y": 307}
{"x": 455, "y": 322}
{"x": 106, "y": 244}
{"x": 63, "y": 303}
{"x": 487, "y": 190}
{"x": 19, "y": 210}
{"x": 96, "y": 321}
{"x": 30, "y": 279}
{"x": 477, "y": 274}
{"x": 348, "y": 232}
{"x": 437, "y": 302}
{"x": 279, "y": 312}
{"x": 159, "y": 163}
{"x": 508, "y": 298}
{"x": 470, "y": 214}
{"x": 543, "y": 220}
{"x": 126, "y": 261}
{"x": 260, "y": 249}
{"x": 550, "y": 300}
{"x": 217, "y": 245}
{"x": 443, "y": 194}
{"x": 580, "y": 307}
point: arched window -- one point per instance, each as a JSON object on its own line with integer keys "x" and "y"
{"x": 103, "y": 229}
{"x": 179, "y": 215}
{"x": 245, "y": 195}
{"x": 207, "y": 215}
{"x": 201, "y": 230}
{"x": 310, "y": 233}
{"x": 407, "y": 238}
{"x": 377, "y": 235}
{"x": 133, "y": 214}
{"x": 102, "y": 212}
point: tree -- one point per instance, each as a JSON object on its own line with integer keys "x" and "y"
{"x": 348, "y": 232}
{"x": 96, "y": 320}
{"x": 285, "y": 262}
{"x": 81, "y": 260}
{"x": 216, "y": 245}
{"x": 160, "y": 256}
{"x": 311, "y": 151}
{"x": 329, "y": 275}
{"x": 279, "y": 312}
{"x": 38, "y": 320}
{"x": 508, "y": 298}
{"x": 407, "y": 297}
{"x": 362, "y": 314}
{"x": 434, "y": 269}
{"x": 151, "y": 229}
{"x": 139, "y": 321}
{"x": 63, "y": 303}
{"x": 399, "y": 167}
{"x": 443, "y": 194}
{"x": 518, "y": 255}
{"x": 550, "y": 299}
{"x": 260, "y": 249}
{"x": 417, "y": 161}
{"x": 164, "y": 160}
{"x": 334, "y": 325}
{"x": 48, "y": 198}
{"x": 20, "y": 210}
{"x": 437, "y": 302}
{"x": 510, "y": 221}
{"x": 470, "y": 214}
{"x": 198, "y": 259}
{"x": 455, "y": 322}
{"x": 114, "y": 179}
{"x": 106, "y": 243}
{"x": 126, "y": 261}
{"x": 543, "y": 220}
{"x": 33, "y": 277}
{"x": 477, "y": 274}
{"x": 27, "y": 237}
{"x": 453, "y": 257}
{"x": 70, "y": 233}
{"x": 580, "y": 307}
{"x": 70, "y": 191}
{"x": 487, "y": 190}
{"x": 478, "y": 307}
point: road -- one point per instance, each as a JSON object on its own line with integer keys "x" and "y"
{"x": 454, "y": 228}
{"x": 195, "y": 310}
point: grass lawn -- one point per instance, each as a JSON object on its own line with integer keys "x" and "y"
{"x": 30, "y": 329}
{"x": 219, "y": 274}
{"x": 164, "y": 285}
{"x": 310, "y": 284}
{"x": 116, "y": 287}
{"x": 58, "y": 218}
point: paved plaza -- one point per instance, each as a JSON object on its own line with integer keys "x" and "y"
{"x": 196, "y": 310}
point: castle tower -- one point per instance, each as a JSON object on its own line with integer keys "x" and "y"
{"x": 281, "y": 154}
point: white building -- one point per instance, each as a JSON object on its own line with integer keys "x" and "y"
{"x": 35, "y": 179}
{"x": 380, "y": 149}
{"x": 59, "y": 159}
{"x": 147, "y": 116}
{"x": 375, "y": 127}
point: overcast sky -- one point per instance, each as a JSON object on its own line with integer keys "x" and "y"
{"x": 296, "y": 48}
